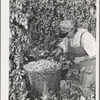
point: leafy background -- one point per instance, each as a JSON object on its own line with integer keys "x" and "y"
{"x": 34, "y": 29}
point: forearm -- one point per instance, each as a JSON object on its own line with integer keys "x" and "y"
{"x": 77, "y": 52}
{"x": 87, "y": 58}
{"x": 78, "y": 60}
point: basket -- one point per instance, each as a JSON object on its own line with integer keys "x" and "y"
{"x": 44, "y": 76}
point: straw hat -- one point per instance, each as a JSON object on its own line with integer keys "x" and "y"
{"x": 68, "y": 24}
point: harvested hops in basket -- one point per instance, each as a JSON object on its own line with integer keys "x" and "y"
{"x": 44, "y": 76}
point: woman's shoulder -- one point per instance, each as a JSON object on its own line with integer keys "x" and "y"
{"x": 81, "y": 30}
{"x": 85, "y": 34}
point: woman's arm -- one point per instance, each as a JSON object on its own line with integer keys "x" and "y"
{"x": 87, "y": 58}
{"x": 78, "y": 60}
{"x": 77, "y": 52}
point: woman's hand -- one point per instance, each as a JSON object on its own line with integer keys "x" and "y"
{"x": 57, "y": 52}
{"x": 77, "y": 60}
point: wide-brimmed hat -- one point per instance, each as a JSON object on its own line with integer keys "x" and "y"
{"x": 68, "y": 24}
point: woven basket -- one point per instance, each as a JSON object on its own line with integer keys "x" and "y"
{"x": 41, "y": 82}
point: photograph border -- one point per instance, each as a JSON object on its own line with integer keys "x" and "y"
{"x": 5, "y": 50}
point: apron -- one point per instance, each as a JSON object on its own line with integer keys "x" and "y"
{"x": 87, "y": 69}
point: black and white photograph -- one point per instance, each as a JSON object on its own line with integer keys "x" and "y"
{"x": 52, "y": 49}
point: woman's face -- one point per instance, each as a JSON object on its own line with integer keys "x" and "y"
{"x": 70, "y": 35}
{"x": 65, "y": 30}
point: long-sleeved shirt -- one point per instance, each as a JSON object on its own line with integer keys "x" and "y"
{"x": 87, "y": 42}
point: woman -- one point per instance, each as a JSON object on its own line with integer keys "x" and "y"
{"x": 81, "y": 44}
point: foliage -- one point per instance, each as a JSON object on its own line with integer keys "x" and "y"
{"x": 17, "y": 85}
{"x": 71, "y": 87}
{"x": 34, "y": 29}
